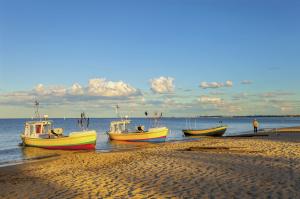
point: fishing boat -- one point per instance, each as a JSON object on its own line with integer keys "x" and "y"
{"x": 120, "y": 130}
{"x": 215, "y": 131}
{"x": 40, "y": 133}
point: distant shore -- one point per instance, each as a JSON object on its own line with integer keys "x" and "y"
{"x": 208, "y": 168}
{"x": 181, "y": 117}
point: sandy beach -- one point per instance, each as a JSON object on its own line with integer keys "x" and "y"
{"x": 266, "y": 167}
{"x": 134, "y": 99}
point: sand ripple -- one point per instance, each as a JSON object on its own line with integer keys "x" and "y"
{"x": 241, "y": 168}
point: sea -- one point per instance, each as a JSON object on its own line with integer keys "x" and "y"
{"x": 12, "y": 152}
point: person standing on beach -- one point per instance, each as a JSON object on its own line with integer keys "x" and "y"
{"x": 255, "y": 125}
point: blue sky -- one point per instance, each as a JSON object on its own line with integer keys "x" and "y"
{"x": 59, "y": 43}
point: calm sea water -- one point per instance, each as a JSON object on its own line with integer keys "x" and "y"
{"x": 10, "y": 129}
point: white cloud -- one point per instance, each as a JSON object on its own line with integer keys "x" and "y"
{"x": 240, "y": 96}
{"x": 217, "y": 93}
{"x": 40, "y": 89}
{"x": 169, "y": 102}
{"x": 98, "y": 90}
{"x": 102, "y": 87}
{"x": 246, "y": 82}
{"x": 284, "y": 105}
{"x": 162, "y": 85}
{"x": 286, "y": 109}
{"x": 228, "y": 83}
{"x": 276, "y": 94}
{"x": 15, "y": 97}
{"x": 96, "y": 87}
{"x": 58, "y": 91}
{"x": 76, "y": 89}
{"x": 206, "y": 85}
{"x": 232, "y": 108}
{"x": 210, "y": 100}
{"x": 220, "y": 104}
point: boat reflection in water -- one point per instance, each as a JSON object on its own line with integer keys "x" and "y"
{"x": 35, "y": 153}
{"x": 31, "y": 153}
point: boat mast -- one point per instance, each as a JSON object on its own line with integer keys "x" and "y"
{"x": 146, "y": 114}
{"x": 157, "y": 118}
{"x": 84, "y": 122}
{"x": 186, "y": 126}
{"x": 36, "y": 109}
{"x": 117, "y": 111}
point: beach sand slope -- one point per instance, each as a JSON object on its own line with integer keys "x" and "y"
{"x": 208, "y": 168}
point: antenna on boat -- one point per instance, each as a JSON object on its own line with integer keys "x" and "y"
{"x": 161, "y": 114}
{"x": 84, "y": 122}
{"x": 157, "y": 118}
{"x": 186, "y": 126}
{"x": 117, "y": 110}
{"x": 36, "y": 110}
{"x": 146, "y": 114}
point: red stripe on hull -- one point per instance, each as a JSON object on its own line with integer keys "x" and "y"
{"x": 74, "y": 147}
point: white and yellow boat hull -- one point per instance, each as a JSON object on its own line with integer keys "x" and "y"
{"x": 75, "y": 141}
{"x": 152, "y": 135}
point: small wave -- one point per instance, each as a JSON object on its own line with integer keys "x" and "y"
{"x": 22, "y": 160}
{"x": 5, "y": 151}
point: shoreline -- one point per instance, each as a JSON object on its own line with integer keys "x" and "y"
{"x": 26, "y": 161}
{"x": 49, "y": 154}
{"x": 170, "y": 117}
{"x": 290, "y": 134}
{"x": 210, "y": 167}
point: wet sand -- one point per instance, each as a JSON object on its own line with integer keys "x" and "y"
{"x": 264, "y": 167}
{"x": 295, "y": 129}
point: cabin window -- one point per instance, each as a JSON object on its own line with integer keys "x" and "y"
{"x": 47, "y": 128}
{"x": 27, "y": 130}
{"x": 38, "y": 128}
{"x": 32, "y": 129}
{"x": 115, "y": 127}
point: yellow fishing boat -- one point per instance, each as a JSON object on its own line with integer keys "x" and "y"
{"x": 39, "y": 133}
{"x": 216, "y": 131}
{"x": 119, "y": 131}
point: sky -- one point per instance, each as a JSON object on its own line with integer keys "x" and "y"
{"x": 180, "y": 57}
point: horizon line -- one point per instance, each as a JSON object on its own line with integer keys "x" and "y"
{"x": 200, "y": 116}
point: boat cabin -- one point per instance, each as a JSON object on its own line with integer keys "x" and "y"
{"x": 35, "y": 129}
{"x": 119, "y": 126}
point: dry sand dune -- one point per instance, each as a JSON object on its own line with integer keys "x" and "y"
{"x": 208, "y": 168}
